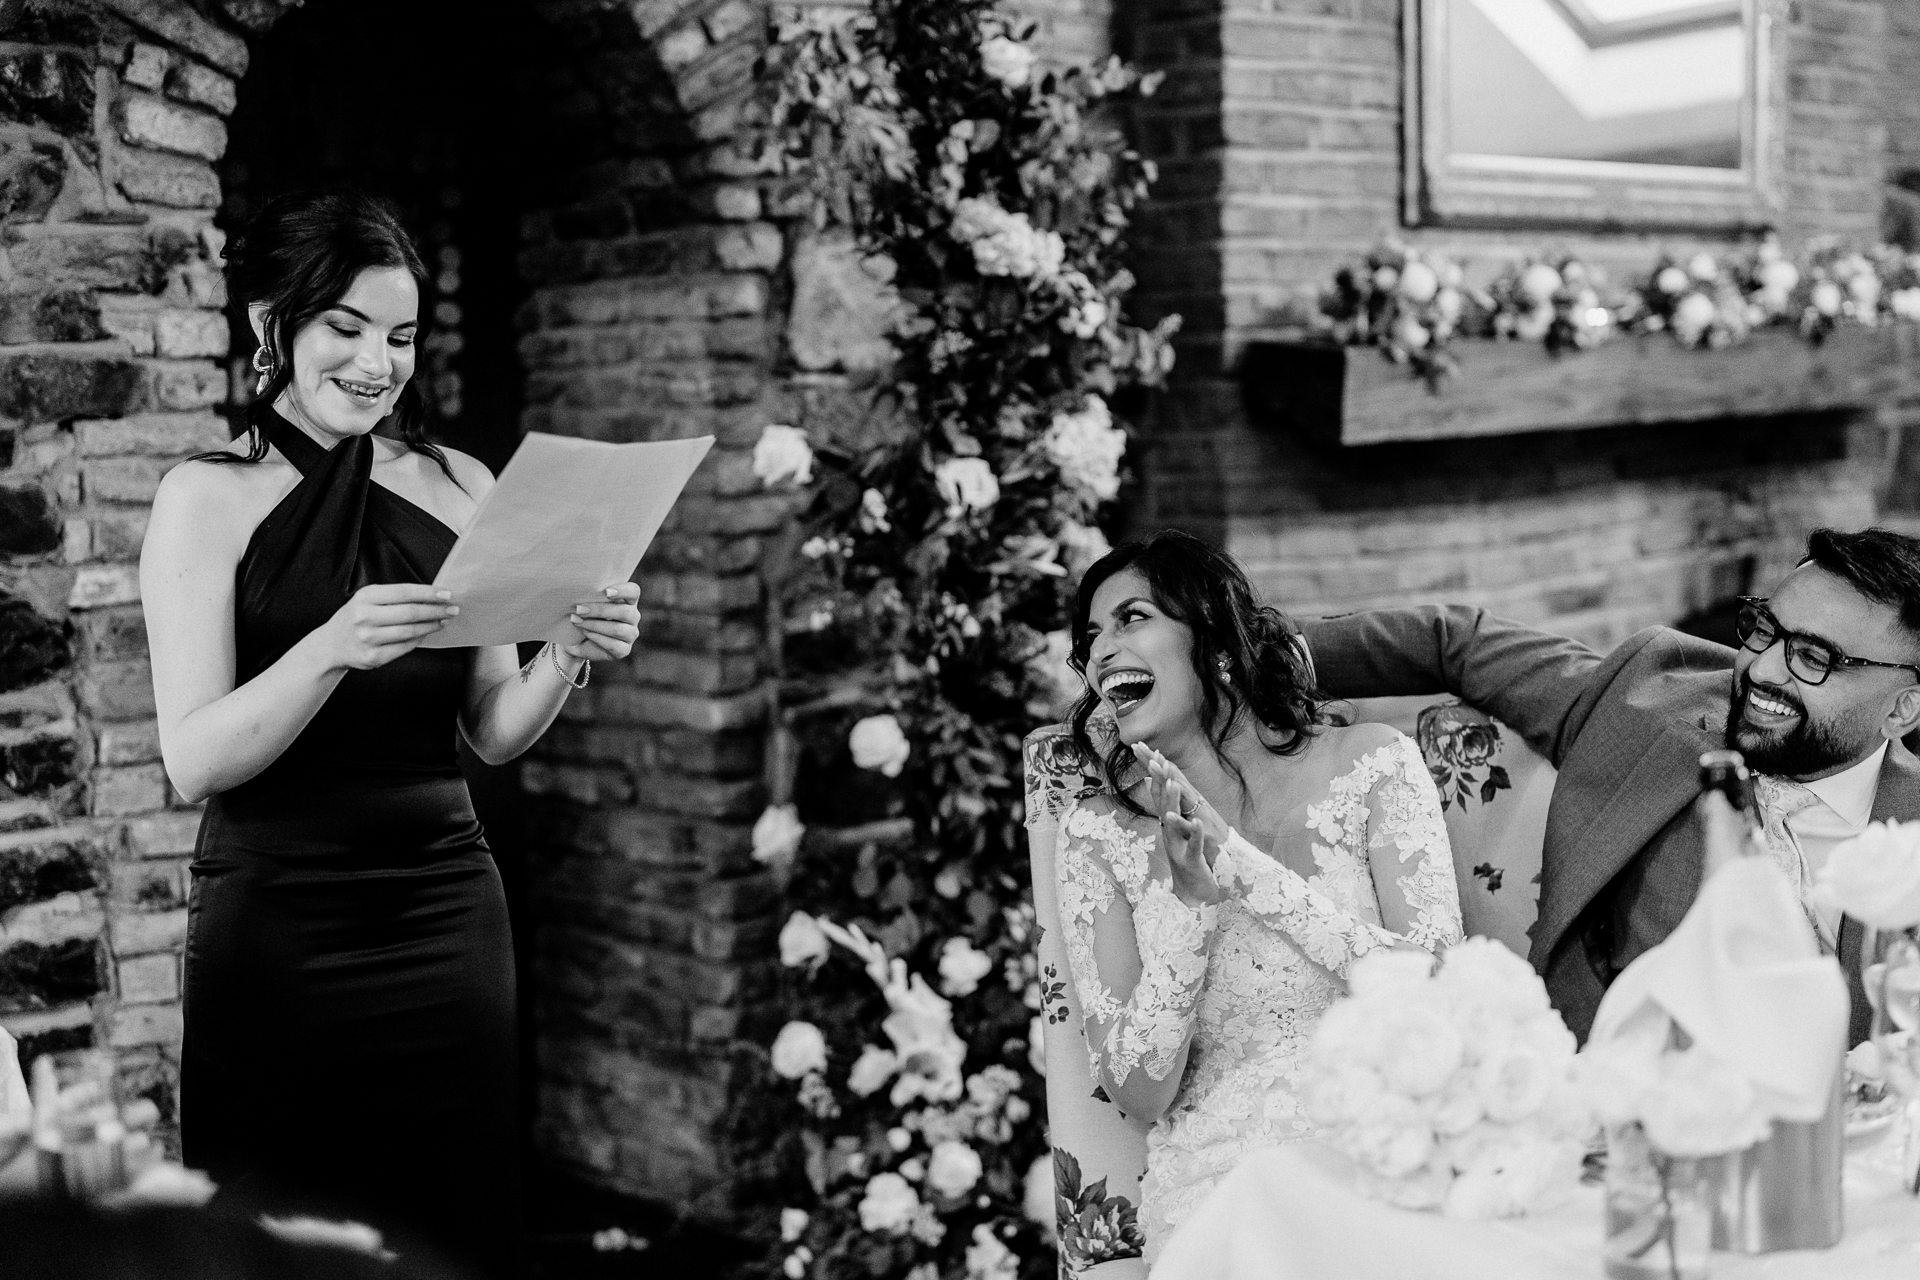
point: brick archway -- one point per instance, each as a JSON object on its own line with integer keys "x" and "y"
{"x": 655, "y": 278}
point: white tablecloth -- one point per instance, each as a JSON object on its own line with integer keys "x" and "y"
{"x": 1292, "y": 1214}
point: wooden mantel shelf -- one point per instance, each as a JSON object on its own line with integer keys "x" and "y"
{"x": 1355, "y": 396}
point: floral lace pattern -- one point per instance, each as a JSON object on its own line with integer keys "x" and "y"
{"x": 1239, "y": 987}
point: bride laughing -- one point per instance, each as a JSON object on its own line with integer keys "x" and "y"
{"x": 1246, "y": 848}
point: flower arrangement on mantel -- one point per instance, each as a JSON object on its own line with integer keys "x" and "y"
{"x": 922, "y": 602}
{"x": 1413, "y": 304}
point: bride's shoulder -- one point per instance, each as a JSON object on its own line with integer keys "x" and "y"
{"x": 1367, "y": 745}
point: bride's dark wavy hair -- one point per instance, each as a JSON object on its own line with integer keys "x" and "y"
{"x": 299, "y": 255}
{"x": 1191, "y": 582}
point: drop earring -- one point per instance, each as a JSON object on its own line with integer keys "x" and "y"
{"x": 263, "y": 364}
{"x": 1226, "y": 676}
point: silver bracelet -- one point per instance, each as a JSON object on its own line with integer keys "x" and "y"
{"x": 586, "y": 667}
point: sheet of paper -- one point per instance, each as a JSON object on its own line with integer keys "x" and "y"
{"x": 566, "y": 519}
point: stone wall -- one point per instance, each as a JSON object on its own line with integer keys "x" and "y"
{"x": 110, "y": 339}
{"x": 1278, "y": 133}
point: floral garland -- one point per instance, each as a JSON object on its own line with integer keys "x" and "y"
{"x": 1412, "y": 303}
{"x": 923, "y": 606}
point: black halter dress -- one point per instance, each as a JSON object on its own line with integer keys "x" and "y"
{"x": 350, "y": 1044}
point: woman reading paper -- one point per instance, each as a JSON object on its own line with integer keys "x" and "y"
{"x": 349, "y": 1040}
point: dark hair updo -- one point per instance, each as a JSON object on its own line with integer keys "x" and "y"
{"x": 1270, "y": 678}
{"x": 299, "y": 256}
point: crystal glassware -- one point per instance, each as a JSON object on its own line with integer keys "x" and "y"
{"x": 77, "y": 1126}
{"x": 1659, "y": 1211}
{"x": 1890, "y": 973}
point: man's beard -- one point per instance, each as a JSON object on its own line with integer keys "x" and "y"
{"x": 1803, "y": 751}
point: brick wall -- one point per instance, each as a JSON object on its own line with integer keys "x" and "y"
{"x": 1279, "y": 138}
{"x": 110, "y": 336}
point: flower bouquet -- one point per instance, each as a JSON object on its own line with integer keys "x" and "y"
{"x": 1697, "y": 301}
{"x": 1554, "y": 300}
{"x": 1406, "y": 302}
{"x": 1450, "y": 1089}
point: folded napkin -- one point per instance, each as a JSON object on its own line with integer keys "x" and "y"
{"x": 1744, "y": 978}
{"x": 14, "y": 1099}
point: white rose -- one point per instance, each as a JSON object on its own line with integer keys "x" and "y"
{"x": 1905, "y": 303}
{"x": 878, "y": 742}
{"x": 1036, "y": 1199}
{"x": 1779, "y": 277}
{"x": 873, "y": 512}
{"x": 873, "y": 1068}
{"x": 1701, "y": 266}
{"x": 1539, "y": 282}
{"x": 1875, "y": 876}
{"x": 802, "y": 941}
{"x": 1533, "y": 325}
{"x": 1386, "y": 279}
{"x": 1008, "y": 61}
{"x": 889, "y": 1205}
{"x": 1419, "y": 283}
{"x": 1692, "y": 317}
{"x": 1081, "y": 545}
{"x": 1672, "y": 280}
{"x": 782, "y": 455}
{"x": 1390, "y": 1150}
{"x": 1411, "y": 334}
{"x": 1427, "y": 1050}
{"x": 962, "y": 967}
{"x": 1087, "y": 448}
{"x": 931, "y": 1053}
{"x": 1037, "y": 1044}
{"x": 953, "y": 1169}
{"x": 799, "y": 1050}
{"x": 776, "y": 833}
{"x": 1085, "y": 319}
{"x": 1487, "y": 975}
{"x": 988, "y": 1258}
{"x": 1379, "y": 972}
{"x": 792, "y": 1223}
{"x": 1826, "y": 297}
{"x": 1513, "y": 1084}
{"x": 967, "y": 484}
{"x": 1344, "y": 1095}
{"x": 1449, "y": 303}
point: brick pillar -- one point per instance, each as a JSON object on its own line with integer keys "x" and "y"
{"x": 658, "y": 284}
{"x": 111, "y": 335}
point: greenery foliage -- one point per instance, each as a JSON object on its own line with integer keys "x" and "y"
{"x": 924, "y": 601}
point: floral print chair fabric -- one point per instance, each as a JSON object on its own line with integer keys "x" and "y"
{"x": 1494, "y": 789}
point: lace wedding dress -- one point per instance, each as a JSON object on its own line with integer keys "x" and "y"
{"x": 1240, "y": 984}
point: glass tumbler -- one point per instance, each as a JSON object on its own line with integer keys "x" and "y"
{"x": 1659, "y": 1211}
{"x": 77, "y": 1126}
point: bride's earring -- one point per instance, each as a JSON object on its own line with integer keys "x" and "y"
{"x": 1226, "y": 676}
{"x": 263, "y": 363}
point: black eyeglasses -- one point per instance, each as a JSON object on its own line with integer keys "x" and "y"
{"x": 1810, "y": 659}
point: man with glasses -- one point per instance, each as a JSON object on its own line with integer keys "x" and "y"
{"x": 1824, "y": 685}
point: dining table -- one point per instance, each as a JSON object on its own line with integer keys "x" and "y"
{"x": 1293, "y": 1213}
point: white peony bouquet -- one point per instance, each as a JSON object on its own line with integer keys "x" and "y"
{"x": 1450, "y": 1088}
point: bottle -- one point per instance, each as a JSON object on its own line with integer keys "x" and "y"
{"x": 1728, "y": 816}
{"x": 1784, "y": 1191}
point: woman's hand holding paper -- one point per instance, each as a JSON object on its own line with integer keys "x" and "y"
{"x": 607, "y": 631}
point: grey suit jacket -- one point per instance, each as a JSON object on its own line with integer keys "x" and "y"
{"x": 1622, "y": 859}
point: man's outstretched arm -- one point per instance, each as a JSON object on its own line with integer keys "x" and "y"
{"x": 1532, "y": 681}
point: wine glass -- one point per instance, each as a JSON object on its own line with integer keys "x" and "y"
{"x": 77, "y": 1125}
{"x": 1890, "y": 973}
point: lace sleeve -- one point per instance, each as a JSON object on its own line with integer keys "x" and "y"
{"x": 1138, "y": 954}
{"x": 1408, "y": 848}
{"x": 1384, "y": 813}
{"x": 1281, "y": 899}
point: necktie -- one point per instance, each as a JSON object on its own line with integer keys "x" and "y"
{"x": 1779, "y": 800}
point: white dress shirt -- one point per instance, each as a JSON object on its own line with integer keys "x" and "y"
{"x": 1846, "y": 806}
